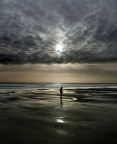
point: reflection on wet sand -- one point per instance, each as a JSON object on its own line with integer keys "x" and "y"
{"x": 60, "y": 120}
{"x": 61, "y": 102}
{"x": 39, "y": 116}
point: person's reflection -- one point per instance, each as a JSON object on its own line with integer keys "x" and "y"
{"x": 61, "y": 102}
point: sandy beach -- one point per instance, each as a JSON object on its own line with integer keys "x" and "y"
{"x": 39, "y": 116}
{"x": 58, "y": 71}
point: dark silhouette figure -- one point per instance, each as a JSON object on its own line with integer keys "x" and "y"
{"x": 61, "y": 91}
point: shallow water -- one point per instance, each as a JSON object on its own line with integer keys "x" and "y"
{"x": 54, "y": 85}
{"x": 39, "y": 116}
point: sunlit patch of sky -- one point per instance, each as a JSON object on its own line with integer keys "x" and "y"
{"x": 70, "y": 40}
{"x": 49, "y": 31}
{"x": 59, "y": 73}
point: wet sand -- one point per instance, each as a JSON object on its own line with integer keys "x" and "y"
{"x": 82, "y": 116}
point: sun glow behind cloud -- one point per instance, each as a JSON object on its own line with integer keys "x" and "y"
{"x": 59, "y": 48}
{"x": 49, "y": 31}
{"x": 58, "y": 32}
{"x": 61, "y": 39}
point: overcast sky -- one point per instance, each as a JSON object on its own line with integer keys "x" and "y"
{"x": 58, "y": 40}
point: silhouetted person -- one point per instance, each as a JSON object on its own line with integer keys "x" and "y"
{"x": 61, "y": 91}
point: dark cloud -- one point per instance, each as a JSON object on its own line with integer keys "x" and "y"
{"x": 30, "y": 31}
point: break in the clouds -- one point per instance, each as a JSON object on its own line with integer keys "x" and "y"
{"x": 58, "y": 31}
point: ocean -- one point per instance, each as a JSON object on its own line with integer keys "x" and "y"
{"x": 55, "y": 85}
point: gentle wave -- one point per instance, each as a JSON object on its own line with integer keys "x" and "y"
{"x": 53, "y": 85}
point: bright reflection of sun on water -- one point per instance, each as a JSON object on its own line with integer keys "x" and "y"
{"x": 60, "y": 121}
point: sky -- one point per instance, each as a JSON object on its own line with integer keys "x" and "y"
{"x": 72, "y": 41}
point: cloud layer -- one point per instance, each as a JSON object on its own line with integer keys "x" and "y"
{"x": 30, "y": 31}
{"x": 59, "y": 73}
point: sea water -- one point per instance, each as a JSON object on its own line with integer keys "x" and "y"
{"x": 35, "y": 113}
{"x": 55, "y": 85}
